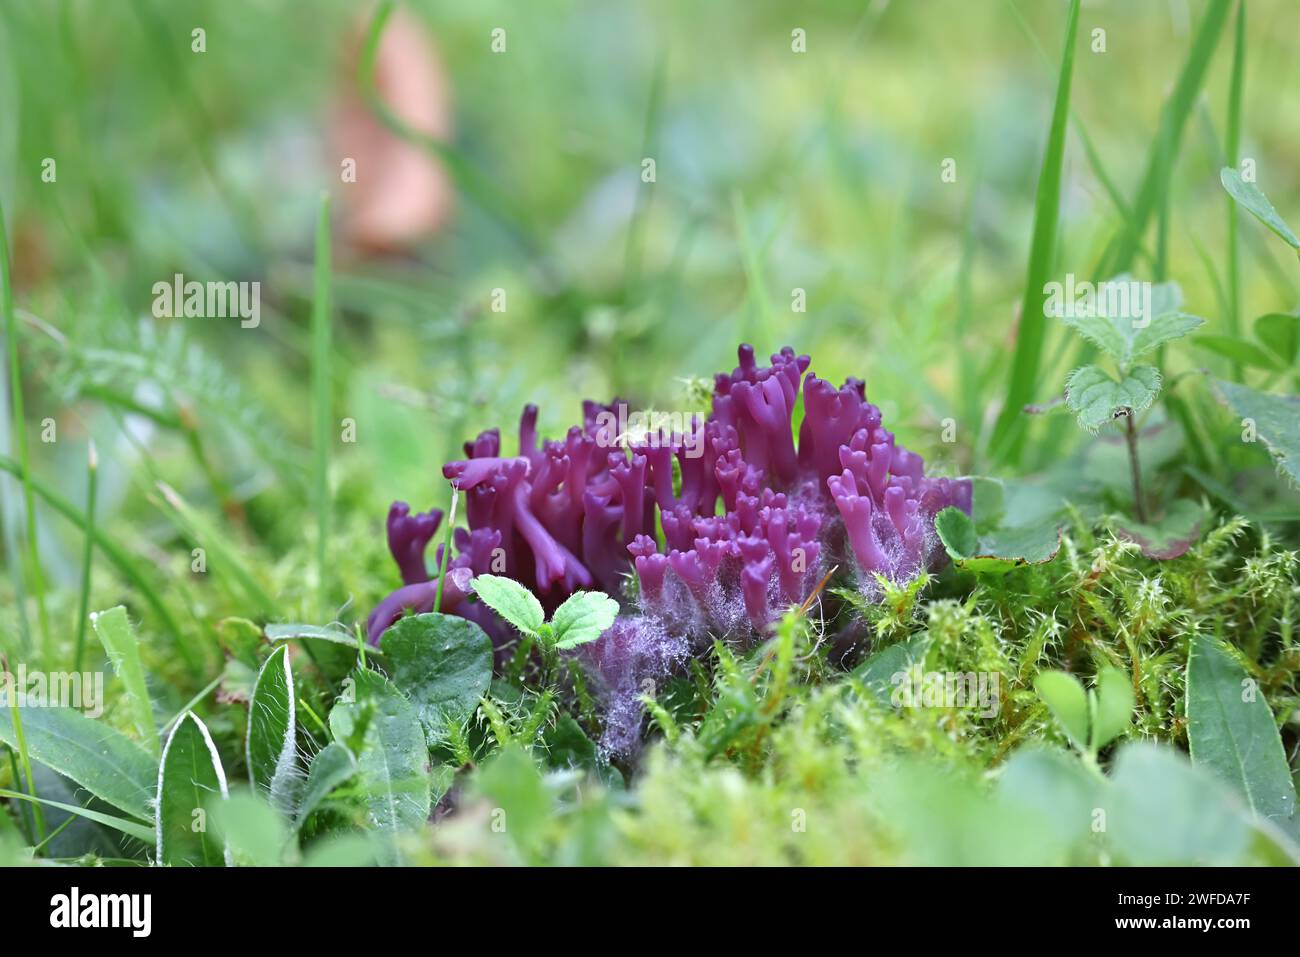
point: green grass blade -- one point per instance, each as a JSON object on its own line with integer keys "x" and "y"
{"x": 19, "y": 436}
{"x": 1159, "y": 168}
{"x": 321, "y": 387}
{"x": 87, "y": 555}
{"x": 1232, "y": 150}
{"x": 125, "y": 565}
{"x": 123, "y": 649}
{"x": 140, "y": 832}
{"x": 1008, "y": 431}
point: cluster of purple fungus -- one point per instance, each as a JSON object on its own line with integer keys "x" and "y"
{"x": 723, "y": 523}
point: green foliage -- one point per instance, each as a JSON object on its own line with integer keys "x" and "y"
{"x": 1096, "y": 399}
{"x": 190, "y": 780}
{"x": 443, "y": 664}
{"x": 272, "y": 730}
{"x": 1251, "y": 198}
{"x": 123, "y": 650}
{"x": 584, "y": 616}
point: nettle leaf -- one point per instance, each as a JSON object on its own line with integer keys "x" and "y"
{"x": 1095, "y": 398}
{"x": 271, "y": 750}
{"x": 1126, "y": 330}
{"x": 1256, "y": 203}
{"x": 443, "y": 664}
{"x": 1274, "y": 419}
{"x": 1068, "y": 702}
{"x": 1177, "y": 531}
{"x": 1280, "y": 332}
{"x": 1242, "y": 351}
{"x": 1230, "y": 730}
{"x": 512, "y": 601}
{"x": 190, "y": 777}
{"x": 392, "y": 754}
{"x": 583, "y": 617}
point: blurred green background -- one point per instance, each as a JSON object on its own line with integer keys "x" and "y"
{"x": 775, "y": 170}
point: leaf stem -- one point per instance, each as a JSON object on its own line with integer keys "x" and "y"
{"x": 1135, "y": 469}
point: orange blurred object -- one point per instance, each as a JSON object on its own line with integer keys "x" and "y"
{"x": 401, "y": 194}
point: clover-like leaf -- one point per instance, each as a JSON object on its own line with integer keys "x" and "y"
{"x": 512, "y": 601}
{"x": 1095, "y": 398}
{"x": 583, "y": 617}
{"x": 1063, "y": 694}
{"x": 1112, "y": 707}
{"x": 1256, "y": 203}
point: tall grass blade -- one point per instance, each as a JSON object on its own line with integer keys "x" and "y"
{"x": 321, "y": 387}
{"x": 1232, "y": 157}
{"x": 1008, "y": 431}
{"x": 88, "y": 553}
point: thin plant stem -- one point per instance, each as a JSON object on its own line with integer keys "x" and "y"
{"x": 1135, "y": 468}
{"x": 92, "y": 477}
{"x": 446, "y": 549}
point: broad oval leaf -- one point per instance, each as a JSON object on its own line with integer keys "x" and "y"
{"x": 1256, "y": 203}
{"x": 334, "y": 765}
{"x": 101, "y": 759}
{"x": 512, "y": 601}
{"x": 1274, "y": 419}
{"x": 392, "y": 754}
{"x": 1113, "y": 707}
{"x": 190, "y": 777}
{"x": 1279, "y": 331}
{"x": 271, "y": 749}
{"x": 1238, "y": 350}
{"x": 1095, "y": 398}
{"x": 1067, "y": 700}
{"x": 442, "y": 663}
{"x": 584, "y": 617}
{"x": 1230, "y": 730}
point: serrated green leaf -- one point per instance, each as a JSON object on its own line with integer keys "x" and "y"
{"x": 1238, "y": 350}
{"x": 392, "y": 754}
{"x": 101, "y": 759}
{"x": 123, "y": 651}
{"x": 1280, "y": 332}
{"x": 1252, "y": 198}
{"x": 1230, "y": 730}
{"x": 333, "y": 766}
{"x": 1068, "y": 702}
{"x": 442, "y": 663}
{"x": 1112, "y": 711}
{"x": 190, "y": 777}
{"x": 1095, "y": 398}
{"x": 1275, "y": 420}
{"x": 512, "y": 601}
{"x": 1161, "y": 329}
{"x": 584, "y": 617}
{"x": 271, "y": 748}
{"x": 1101, "y": 332}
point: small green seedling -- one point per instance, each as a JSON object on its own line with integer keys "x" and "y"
{"x": 1091, "y": 719}
{"x": 583, "y": 617}
{"x": 1126, "y": 335}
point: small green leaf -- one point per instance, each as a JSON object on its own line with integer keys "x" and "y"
{"x": 189, "y": 778}
{"x": 334, "y": 765}
{"x": 100, "y": 758}
{"x": 1230, "y": 730}
{"x": 1274, "y": 419}
{"x": 1161, "y": 329}
{"x": 584, "y": 617}
{"x": 123, "y": 650}
{"x": 512, "y": 601}
{"x": 1176, "y": 531}
{"x": 877, "y": 672}
{"x": 442, "y": 663}
{"x": 1113, "y": 708}
{"x": 1095, "y": 398}
{"x": 999, "y": 549}
{"x": 1238, "y": 350}
{"x": 1280, "y": 331}
{"x": 1067, "y": 700}
{"x": 392, "y": 754}
{"x": 254, "y": 834}
{"x": 1256, "y": 203}
{"x": 288, "y": 632}
{"x": 271, "y": 749}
